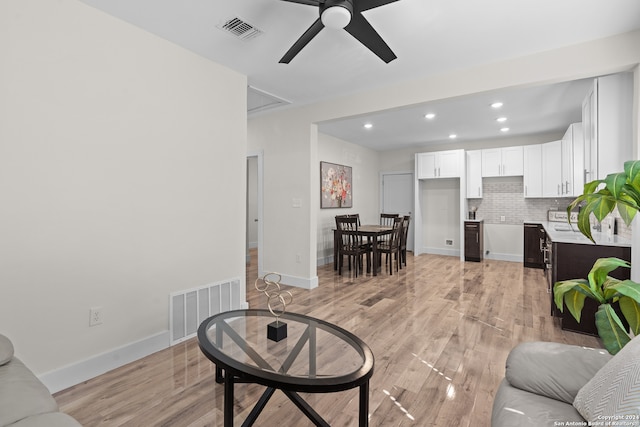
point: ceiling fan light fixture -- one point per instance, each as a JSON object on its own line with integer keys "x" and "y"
{"x": 336, "y": 17}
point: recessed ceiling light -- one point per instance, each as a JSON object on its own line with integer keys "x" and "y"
{"x": 429, "y": 116}
{"x": 453, "y": 136}
{"x": 501, "y": 119}
{"x": 504, "y": 130}
{"x": 368, "y": 125}
{"x": 496, "y": 105}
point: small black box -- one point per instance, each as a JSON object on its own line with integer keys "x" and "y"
{"x": 277, "y": 331}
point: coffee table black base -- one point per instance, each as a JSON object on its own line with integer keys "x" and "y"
{"x": 230, "y": 381}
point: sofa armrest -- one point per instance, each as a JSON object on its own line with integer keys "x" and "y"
{"x": 6, "y": 350}
{"x": 553, "y": 370}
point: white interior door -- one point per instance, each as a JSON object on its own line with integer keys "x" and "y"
{"x": 397, "y": 197}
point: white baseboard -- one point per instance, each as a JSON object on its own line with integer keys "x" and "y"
{"x": 300, "y": 282}
{"x": 70, "y": 375}
{"x": 441, "y": 251}
{"x": 505, "y": 257}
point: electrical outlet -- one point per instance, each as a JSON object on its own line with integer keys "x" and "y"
{"x": 298, "y": 258}
{"x": 95, "y": 316}
{"x": 448, "y": 242}
{"x": 502, "y": 218}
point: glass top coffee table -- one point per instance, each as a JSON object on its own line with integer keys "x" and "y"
{"x": 316, "y": 357}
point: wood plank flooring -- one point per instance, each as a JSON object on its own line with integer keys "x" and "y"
{"x": 440, "y": 331}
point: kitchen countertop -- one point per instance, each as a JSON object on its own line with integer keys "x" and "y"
{"x": 562, "y": 232}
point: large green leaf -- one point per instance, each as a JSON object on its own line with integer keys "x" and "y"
{"x": 631, "y": 194}
{"x": 601, "y": 269}
{"x": 561, "y": 288}
{"x": 631, "y": 312}
{"x": 632, "y": 169}
{"x": 610, "y": 329}
{"x": 628, "y": 207}
{"x": 615, "y": 182}
{"x": 591, "y": 187}
{"x": 584, "y": 224}
{"x": 574, "y": 300}
{"x": 609, "y": 291}
{"x": 601, "y": 204}
{"x": 618, "y": 288}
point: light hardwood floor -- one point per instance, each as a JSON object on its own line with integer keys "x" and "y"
{"x": 440, "y": 331}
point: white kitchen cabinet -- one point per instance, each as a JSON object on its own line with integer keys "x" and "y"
{"x": 566, "y": 170}
{"x": 506, "y": 161}
{"x": 608, "y": 125}
{"x": 426, "y": 165}
{"x": 439, "y": 164}
{"x": 552, "y": 169}
{"x": 532, "y": 178}
{"x": 577, "y": 134}
{"x": 572, "y": 183}
{"x": 474, "y": 174}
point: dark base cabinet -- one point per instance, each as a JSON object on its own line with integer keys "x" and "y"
{"x": 534, "y": 239}
{"x": 574, "y": 261}
{"x": 473, "y": 240}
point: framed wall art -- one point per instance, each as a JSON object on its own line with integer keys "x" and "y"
{"x": 335, "y": 186}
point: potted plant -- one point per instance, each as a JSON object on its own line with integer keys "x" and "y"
{"x": 608, "y": 291}
{"x": 622, "y": 191}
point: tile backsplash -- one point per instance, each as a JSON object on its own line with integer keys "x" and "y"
{"x": 504, "y": 197}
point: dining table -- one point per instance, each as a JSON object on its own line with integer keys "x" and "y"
{"x": 373, "y": 232}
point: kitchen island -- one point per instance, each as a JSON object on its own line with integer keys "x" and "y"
{"x": 568, "y": 254}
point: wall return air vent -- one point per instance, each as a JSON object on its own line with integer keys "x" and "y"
{"x": 240, "y": 28}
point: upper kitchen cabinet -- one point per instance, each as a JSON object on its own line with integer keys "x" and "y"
{"x": 607, "y": 124}
{"x": 572, "y": 183}
{"x": 532, "y": 170}
{"x": 552, "y": 169}
{"x": 439, "y": 164}
{"x": 506, "y": 161}
{"x": 474, "y": 174}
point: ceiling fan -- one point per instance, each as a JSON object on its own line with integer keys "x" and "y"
{"x": 345, "y": 14}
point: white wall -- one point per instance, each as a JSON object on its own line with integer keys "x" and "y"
{"x": 440, "y": 207}
{"x": 289, "y": 137}
{"x": 122, "y": 176}
{"x": 366, "y": 188}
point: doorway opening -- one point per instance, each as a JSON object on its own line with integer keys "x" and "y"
{"x": 254, "y": 214}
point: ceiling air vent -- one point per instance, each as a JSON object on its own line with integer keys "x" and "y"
{"x": 259, "y": 100}
{"x": 240, "y": 29}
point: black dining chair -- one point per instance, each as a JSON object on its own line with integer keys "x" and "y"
{"x": 350, "y": 216}
{"x": 386, "y": 219}
{"x": 350, "y": 243}
{"x": 391, "y": 246}
{"x": 403, "y": 239}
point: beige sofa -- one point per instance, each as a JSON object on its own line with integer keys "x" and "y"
{"x": 24, "y": 400}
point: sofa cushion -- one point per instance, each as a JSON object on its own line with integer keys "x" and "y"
{"x": 52, "y": 419}
{"x": 22, "y": 394}
{"x": 515, "y": 407}
{"x": 615, "y": 389}
{"x": 553, "y": 370}
{"x": 6, "y": 350}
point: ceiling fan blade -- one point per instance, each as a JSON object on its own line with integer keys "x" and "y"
{"x": 311, "y": 32}
{"x": 362, "y": 30}
{"x": 309, "y": 2}
{"x": 362, "y": 5}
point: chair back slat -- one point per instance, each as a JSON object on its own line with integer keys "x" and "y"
{"x": 387, "y": 219}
